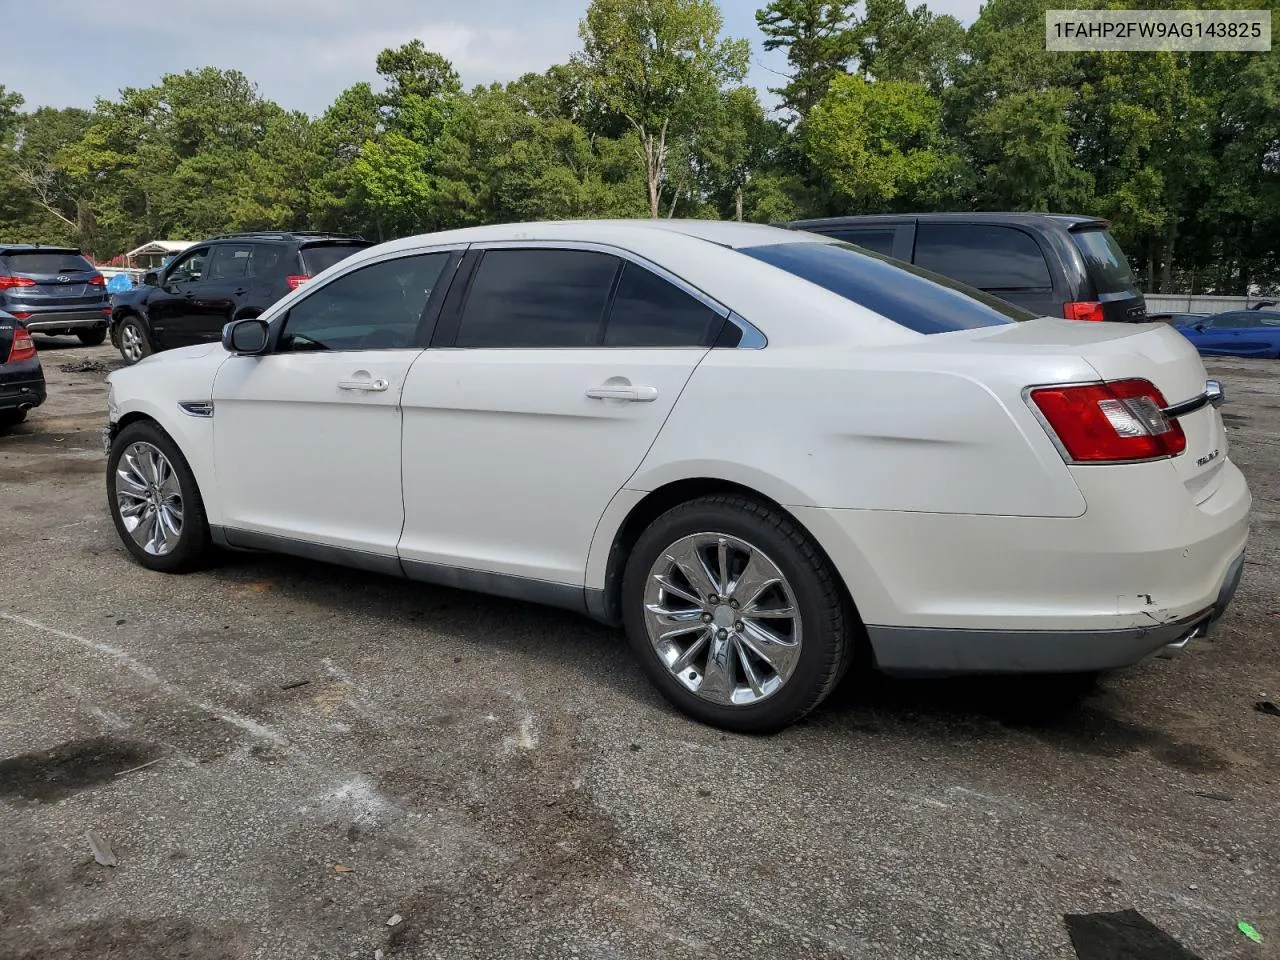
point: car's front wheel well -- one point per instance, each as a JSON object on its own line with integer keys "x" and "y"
{"x": 658, "y": 502}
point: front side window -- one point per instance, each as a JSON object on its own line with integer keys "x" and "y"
{"x": 537, "y": 298}
{"x": 985, "y": 256}
{"x": 916, "y": 299}
{"x": 191, "y": 268}
{"x": 649, "y": 311}
{"x": 375, "y": 307}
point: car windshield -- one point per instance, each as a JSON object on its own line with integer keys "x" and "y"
{"x": 47, "y": 262}
{"x": 1108, "y": 269}
{"x": 919, "y": 300}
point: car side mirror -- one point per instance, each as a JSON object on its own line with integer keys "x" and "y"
{"x": 245, "y": 337}
{"x": 151, "y": 278}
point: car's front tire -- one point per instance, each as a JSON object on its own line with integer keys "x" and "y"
{"x": 735, "y": 614}
{"x": 133, "y": 341}
{"x": 92, "y": 338}
{"x": 154, "y": 501}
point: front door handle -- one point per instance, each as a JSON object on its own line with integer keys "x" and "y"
{"x": 369, "y": 386}
{"x": 631, "y": 394}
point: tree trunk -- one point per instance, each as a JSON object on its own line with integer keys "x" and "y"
{"x": 738, "y": 205}
{"x": 655, "y": 155}
{"x": 1166, "y": 260}
{"x": 1151, "y": 265}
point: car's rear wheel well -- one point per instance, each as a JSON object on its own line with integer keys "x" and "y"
{"x": 658, "y": 502}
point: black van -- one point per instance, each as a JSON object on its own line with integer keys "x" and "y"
{"x": 1051, "y": 264}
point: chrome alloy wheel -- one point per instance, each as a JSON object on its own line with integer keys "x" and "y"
{"x": 723, "y": 618}
{"x": 131, "y": 342}
{"x": 149, "y": 498}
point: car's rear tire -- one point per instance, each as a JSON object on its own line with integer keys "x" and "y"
{"x": 134, "y": 343}
{"x": 92, "y": 338}
{"x": 735, "y": 577}
{"x": 154, "y": 501}
{"x": 10, "y": 419}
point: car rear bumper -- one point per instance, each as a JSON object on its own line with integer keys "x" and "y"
{"x": 20, "y": 392}
{"x": 66, "y": 321}
{"x": 942, "y": 593}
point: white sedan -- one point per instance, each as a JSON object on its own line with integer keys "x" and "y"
{"x": 765, "y": 453}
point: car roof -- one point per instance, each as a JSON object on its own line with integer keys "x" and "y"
{"x": 1067, "y": 220}
{"x": 725, "y": 233}
{"x": 285, "y": 236}
{"x": 7, "y": 248}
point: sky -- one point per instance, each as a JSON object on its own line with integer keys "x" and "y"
{"x": 303, "y": 53}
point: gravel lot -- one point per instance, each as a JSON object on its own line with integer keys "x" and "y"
{"x": 285, "y": 756}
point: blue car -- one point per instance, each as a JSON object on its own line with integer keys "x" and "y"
{"x": 1236, "y": 333}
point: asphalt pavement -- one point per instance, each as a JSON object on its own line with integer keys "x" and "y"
{"x": 282, "y": 758}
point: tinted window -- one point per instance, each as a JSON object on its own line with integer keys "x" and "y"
{"x": 879, "y": 239}
{"x": 269, "y": 261}
{"x": 537, "y": 298}
{"x": 375, "y": 307}
{"x": 907, "y": 295}
{"x": 324, "y": 256}
{"x": 985, "y": 256}
{"x": 190, "y": 268}
{"x": 1108, "y": 269}
{"x": 45, "y": 262}
{"x": 230, "y": 261}
{"x": 648, "y": 311}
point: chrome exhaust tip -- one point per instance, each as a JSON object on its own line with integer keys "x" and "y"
{"x": 1171, "y": 650}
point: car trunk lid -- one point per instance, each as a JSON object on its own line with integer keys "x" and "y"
{"x": 1114, "y": 284}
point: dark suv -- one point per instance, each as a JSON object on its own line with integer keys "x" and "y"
{"x": 54, "y": 290}
{"x": 1051, "y": 264}
{"x": 212, "y": 283}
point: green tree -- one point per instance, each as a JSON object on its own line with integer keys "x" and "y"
{"x": 878, "y": 143}
{"x": 897, "y": 43}
{"x": 820, "y": 39}
{"x": 659, "y": 64}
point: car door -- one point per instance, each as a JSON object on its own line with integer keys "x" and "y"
{"x": 1001, "y": 260}
{"x": 172, "y": 302}
{"x": 536, "y": 403}
{"x": 1223, "y": 334}
{"x": 307, "y": 435}
{"x": 216, "y": 295}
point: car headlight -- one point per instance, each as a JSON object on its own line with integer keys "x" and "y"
{"x": 113, "y": 410}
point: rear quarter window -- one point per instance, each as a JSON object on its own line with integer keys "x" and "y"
{"x": 914, "y": 298}
{"x": 324, "y": 256}
{"x": 43, "y": 262}
{"x": 1105, "y": 261}
{"x": 987, "y": 256}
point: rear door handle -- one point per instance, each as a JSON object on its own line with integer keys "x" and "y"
{"x": 368, "y": 386}
{"x": 632, "y": 394}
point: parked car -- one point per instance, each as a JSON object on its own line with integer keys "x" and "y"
{"x": 1177, "y": 319}
{"x": 1236, "y": 333}
{"x": 765, "y": 453}
{"x": 54, "y": 291}
{"x": 1050, "y": 264}
{"x": 21, "y": 375}
{"x": 210, "y": 284}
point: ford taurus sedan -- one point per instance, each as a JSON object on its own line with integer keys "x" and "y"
{"x": 765, "y": 453}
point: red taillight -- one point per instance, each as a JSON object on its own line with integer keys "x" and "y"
{"x": 21, "y": 314}
{"x": 1082, "y": 310}
{"x": 22, "y": 348}
{"x": 296, "y": 281}
{"x": 1103, "y": 422}
{"x": 8, "y": 283}
{"x": 97, "y": 280}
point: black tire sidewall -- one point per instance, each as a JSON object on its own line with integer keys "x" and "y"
{"x": 821, "y": 643}
{"x": 193, "y": 543}
{"x": 93, "y": 338}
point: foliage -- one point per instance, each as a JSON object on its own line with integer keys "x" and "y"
{"x": 884, "y": 107}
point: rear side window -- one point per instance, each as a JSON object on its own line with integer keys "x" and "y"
{"x": 230, "y": 261}
{"x": 982, "y": 255}
{"x": 323, "y": 256}
{"x": 879, "y": 239}
{"x": 537, "y": 298}
{"x": 1105, "y": 261}
{"x": 269, "y": 261}
{"x": 47, "y": 262}
{"x": 648, "y": 311}
{"x": 907, "y": 295}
